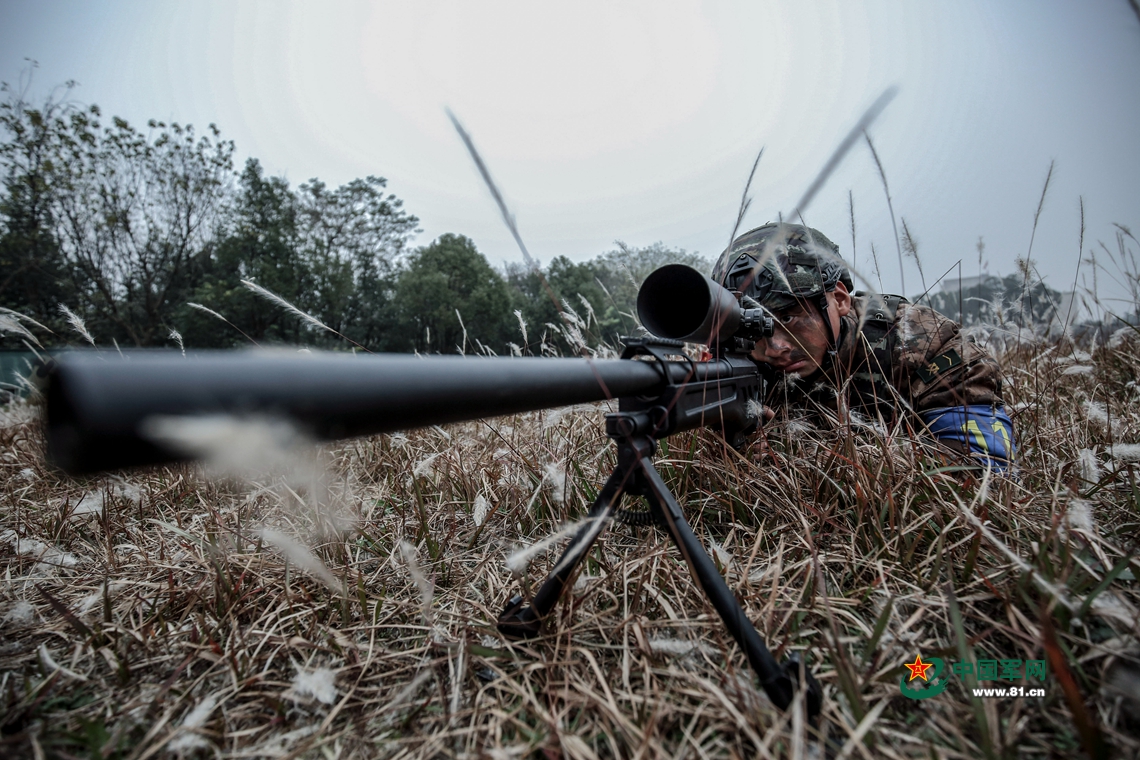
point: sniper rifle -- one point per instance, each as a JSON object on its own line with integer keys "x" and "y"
{"x": 102, "y": 410}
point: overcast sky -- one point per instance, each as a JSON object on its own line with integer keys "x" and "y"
{"x": 639, "y": 121}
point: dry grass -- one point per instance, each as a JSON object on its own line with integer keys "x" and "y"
{"x": 351, "y": 613}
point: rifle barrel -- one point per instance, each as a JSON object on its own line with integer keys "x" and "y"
{"x": 98, "y": 402}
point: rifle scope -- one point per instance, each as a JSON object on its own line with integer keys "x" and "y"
{"x": 680, "y": 303}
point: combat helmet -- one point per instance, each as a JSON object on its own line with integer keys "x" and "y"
{"x": 802, "y": 264}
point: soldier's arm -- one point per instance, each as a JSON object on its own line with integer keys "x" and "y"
{"x": 955, "y": 386}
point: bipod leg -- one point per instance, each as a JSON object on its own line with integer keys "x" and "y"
{"x": 522, "y": 621}
{"x": 779, "y": 682}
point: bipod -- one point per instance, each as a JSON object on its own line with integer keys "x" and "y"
{"x": 636, "y": 475}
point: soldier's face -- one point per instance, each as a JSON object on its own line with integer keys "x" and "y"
{"x": 799, "y": 343}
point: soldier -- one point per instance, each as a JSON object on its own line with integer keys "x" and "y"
{"x": 840, "y": 351}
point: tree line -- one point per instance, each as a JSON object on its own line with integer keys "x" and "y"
{"x": 152, "y": 237}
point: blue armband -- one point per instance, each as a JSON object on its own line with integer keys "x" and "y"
{"x": 986, "y": 430}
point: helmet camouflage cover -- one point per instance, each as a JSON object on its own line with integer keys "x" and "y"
{"x": 801, "y": 264}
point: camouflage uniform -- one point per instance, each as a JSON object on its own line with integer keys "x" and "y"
{"x": 891, "y": 360}
{"x": 897, "y": 359}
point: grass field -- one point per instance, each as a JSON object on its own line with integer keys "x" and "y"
{"x": 339, "y": 601}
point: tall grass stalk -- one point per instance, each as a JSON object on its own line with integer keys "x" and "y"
{"x": 77, "y": 324}
{"x": 890, "y": 208}
{"x": 215, "y": 314}
{"x": 304, "y": 316}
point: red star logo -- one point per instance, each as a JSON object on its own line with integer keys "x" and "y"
{"x": 918, "y": 668}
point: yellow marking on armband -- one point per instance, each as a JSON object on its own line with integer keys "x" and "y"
{"x": 999, "y": 428}
{"x": 971, "y": 427}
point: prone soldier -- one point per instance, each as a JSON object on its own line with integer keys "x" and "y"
{"x": 835, "y": 350}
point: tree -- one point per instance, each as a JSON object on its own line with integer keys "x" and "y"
{"x": 258, "y": 242}
{"x": 621, "y": 271}
{"x": 444, "y": 278}
{"x": 564, "y": 307}
{"x": 133, "y": 216}
{"x": 330, "y": 253}
{"x": 128, "y": 228}
{"x": 112, "y": 222}
{"x": 351, "y": 239}
{"x": 32, "y": 271}
{"x": 596, "y": 299}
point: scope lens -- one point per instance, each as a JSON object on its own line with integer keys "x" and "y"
{"x": 673, "y": 301}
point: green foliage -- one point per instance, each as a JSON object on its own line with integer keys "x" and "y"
{"x": 447, "y": 277}
{"x": 31, "y": 263}
{"x": 566, "y": 298}
{"x": 260, "y": 245}
{"x": 114, "y": 221}
{"x": 351, "y": 239}
{"x": 127, "y": 228}
{"x": 331, "y": 253}
{"x": 138, "y": 213}
{"x": 625, "y": 268}
{"x": 571, "y": 305}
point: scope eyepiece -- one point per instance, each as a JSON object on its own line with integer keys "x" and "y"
{"x": 755, "y": 324}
